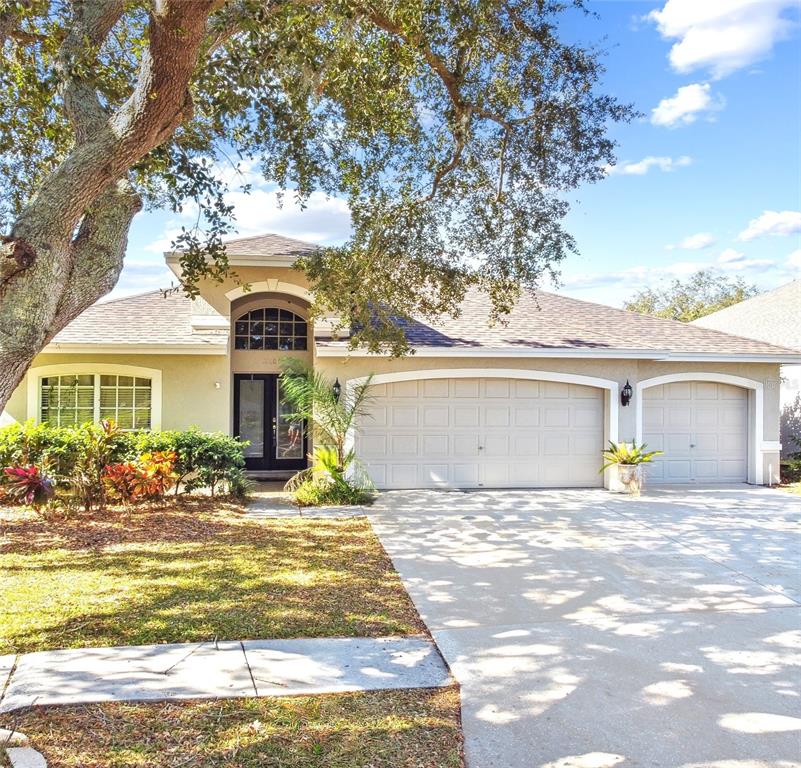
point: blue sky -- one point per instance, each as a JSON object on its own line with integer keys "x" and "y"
{"x": 709, "y": 177}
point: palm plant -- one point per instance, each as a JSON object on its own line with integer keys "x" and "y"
{"x": 332, "y": 414}
{"x": 627, "y": 455}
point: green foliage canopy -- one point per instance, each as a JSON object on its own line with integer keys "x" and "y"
{"x": 452, "y": 128}
{"x": 701, "y": 294}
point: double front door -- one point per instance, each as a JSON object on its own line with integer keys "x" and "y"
{"x": 260, "y": 417}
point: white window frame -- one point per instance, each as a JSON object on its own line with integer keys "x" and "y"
{"x": 35, "y": 376}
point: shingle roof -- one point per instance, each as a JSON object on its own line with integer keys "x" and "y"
{"x": 548, "y": 321}
{"x": 151, "y": 319}
{"x": 774, "y": 317}
{"x": 545, "y": 321}
{"x": 268, "y": 245}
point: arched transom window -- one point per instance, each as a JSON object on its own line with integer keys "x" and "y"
{"x": 271, "y": 328}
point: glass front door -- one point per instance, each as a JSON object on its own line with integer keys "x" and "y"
{"x": 261, "y": 418}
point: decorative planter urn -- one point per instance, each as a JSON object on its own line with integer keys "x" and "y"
{"x": 630, "y": 476}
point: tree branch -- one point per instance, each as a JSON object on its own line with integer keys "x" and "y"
{"x": 91, "y": 24}
{"x": 97, "y": 252}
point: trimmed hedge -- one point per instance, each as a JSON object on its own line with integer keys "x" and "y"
{"x": 204, "y": 459}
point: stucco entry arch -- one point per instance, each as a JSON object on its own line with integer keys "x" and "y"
{"x": 610, "y": 387}
{"x": 270, "y": 286}
{"x": 755, "y": 410}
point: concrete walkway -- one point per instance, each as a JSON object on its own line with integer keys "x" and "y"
{"x": 268, "y": 499}
{"x": 589, "y": 630}
{"x": 230, "y": 669}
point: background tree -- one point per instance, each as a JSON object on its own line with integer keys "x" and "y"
{"x": 700, "y": 294}
{"x": 452, "y": 128}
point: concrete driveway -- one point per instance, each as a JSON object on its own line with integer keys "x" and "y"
{"x": 590, "y": 630}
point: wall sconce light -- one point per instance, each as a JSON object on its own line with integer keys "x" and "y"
{"x": 217, "y": 385}
{"x": 336, "y": 390}
{"x": 626, "y": 393}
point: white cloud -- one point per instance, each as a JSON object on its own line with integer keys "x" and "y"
{"x": 641, "y": 167}
{"x": 772, "y": 223}
{"x": 322, "y": 220}
{"x": 689, "y": 103}
{"x": 729, "y": 256}
{"x": 794, "y": 259}
{"x": 721, "y": 36}
{"x": 694, "y": 242}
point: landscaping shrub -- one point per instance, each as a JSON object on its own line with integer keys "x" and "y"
{"x": 27, "y": 485}
{"x": 92, "y": 460}
{"x": 150, "y": 477}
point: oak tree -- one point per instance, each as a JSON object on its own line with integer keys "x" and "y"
{"x": 453, "y": 128}
{"x": 702, "y": 293}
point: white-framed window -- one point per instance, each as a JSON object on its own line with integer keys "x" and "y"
{"x": 66, "y": 395}
{"x": 72, "y": 399}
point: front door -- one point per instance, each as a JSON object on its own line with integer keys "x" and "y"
{"x": 275, "y": 443}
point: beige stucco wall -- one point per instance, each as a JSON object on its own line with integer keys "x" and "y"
{"x": 188, "y": 388}
{"x": 619, "y": 370}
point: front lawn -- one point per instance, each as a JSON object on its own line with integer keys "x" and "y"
{"x": 386, "y": 729}
{"x": 192, "y": 570}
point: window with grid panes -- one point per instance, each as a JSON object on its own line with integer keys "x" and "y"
{"x": 271, "y": 328}
{"x": 74, "y": 399}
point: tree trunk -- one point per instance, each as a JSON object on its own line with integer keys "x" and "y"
{"x": 48, "y": 273}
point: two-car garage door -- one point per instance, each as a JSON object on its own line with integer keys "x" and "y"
{"x": 483, "y": 432}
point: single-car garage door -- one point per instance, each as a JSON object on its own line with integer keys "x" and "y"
{"x": 483, "y": 432}
{"x": 702, "y": 427}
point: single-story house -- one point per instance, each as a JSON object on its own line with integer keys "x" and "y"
{"x": 527, "y": 403}
{"x": 773, "y": 317}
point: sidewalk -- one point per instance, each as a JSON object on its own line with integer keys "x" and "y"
{"x": 230, "y": 669}
{"x": 268, "y": 499}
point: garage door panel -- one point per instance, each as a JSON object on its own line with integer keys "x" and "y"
{"x": 704, "y": 437}
{"x": 585, "y": 445}
{"x": 465, "y": 475}
{"x": 706, "y": 416}
{"x": 679, "y": 418}
{"x": 706, "y": 390}
{"x": 466, "y": 416}
{"x": 526, "y": 444}
{"x": 588, "y": 417}
{"x": 557, "y": 417}
{"x": 404, "y": 389}
{"x": 403, "y": 416}
{"x": 497, "y": 416}
{"x": 436, "y": 416}
{"x": 555, "y": 445}
{"x": 496, "y": 446}
{"x": 436, "y": 475}
{"x": 436, "y": 445}
{"x": 485, "y": 432}
{"x": 404, "y": 445}
{"x": 653, "y": 416}
{"x": 436, "y": 388}
{"x": 527, "y": 416}
{"x": 497, "y": 388}
{"x": 374, "y": 445}
{"x": 378, "y": 415}
{"x": 555, "y": 389}
{"x": 526, "y": 388}
{"x": 403, "y": 475}
{"x": 681, "y": 390}
{"x": 465, "y": 387}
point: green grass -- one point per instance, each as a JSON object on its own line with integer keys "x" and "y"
{"x": 387, "y": 729}
{"x": 793, "y": 488}
{"x": 189, "y": 572}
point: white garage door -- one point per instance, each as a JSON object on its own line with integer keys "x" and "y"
{"x": 490, "y": 433}
{"x": 703, "y": 429}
